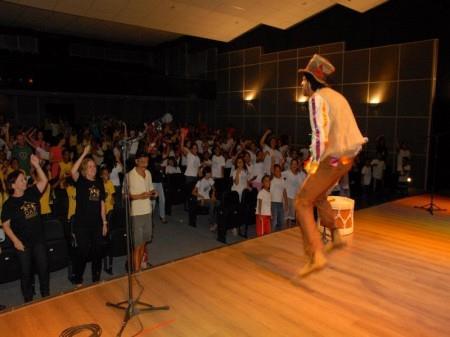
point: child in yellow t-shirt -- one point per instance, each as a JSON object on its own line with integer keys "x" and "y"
{"x": 65, "y": 165}
{"x": 109, "y": 190}
{"x": 71, "y": 196}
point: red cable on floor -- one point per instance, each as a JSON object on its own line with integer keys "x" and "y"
{"x": 156, "y": 327}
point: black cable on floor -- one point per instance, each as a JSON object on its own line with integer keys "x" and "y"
{"x": 95, "y": 329}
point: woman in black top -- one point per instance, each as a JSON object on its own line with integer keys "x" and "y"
{"x": 21, "y": 218}
{"x": 90, "y": 220}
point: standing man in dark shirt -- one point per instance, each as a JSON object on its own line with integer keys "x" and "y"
{"x": 90, "y": 218}
{"x": 21, "y": 220}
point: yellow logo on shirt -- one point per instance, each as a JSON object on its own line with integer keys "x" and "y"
{"x": 94, "y": 193}
{"x": 29, "y": 209}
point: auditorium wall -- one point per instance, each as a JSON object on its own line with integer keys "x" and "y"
{"x": 390, "y": 89}
{"x": 27, "y": 108}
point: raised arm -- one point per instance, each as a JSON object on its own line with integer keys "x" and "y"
{"x": 262, "y": 141}
{"x": 42, "y": 179}
{"x": 30, "y": 140}
{"x": 125, "y": 130}
{"x": 74, "y": 171}
{"x": 7, "y": 138}
{"x": 183, "y": 148}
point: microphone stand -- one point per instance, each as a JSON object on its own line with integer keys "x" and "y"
{"x": 130, "y": 306}
{"x": 431, "y": 207}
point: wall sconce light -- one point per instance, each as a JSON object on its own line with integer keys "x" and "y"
{"x": 374, "y": 101}
{"x": 303, "y": 103}
{"x": 302, "y": 99}
{"x": 249, "y": 96}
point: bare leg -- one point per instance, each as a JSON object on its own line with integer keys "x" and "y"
{"x": 313, "y": 192}
{"x": 137, "y": 258}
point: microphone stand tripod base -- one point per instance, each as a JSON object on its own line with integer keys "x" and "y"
{"x": 431, "y": 208}
{"x": 131, "y": 309}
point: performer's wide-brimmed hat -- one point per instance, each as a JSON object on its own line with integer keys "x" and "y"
{"x": 319, "y": 67}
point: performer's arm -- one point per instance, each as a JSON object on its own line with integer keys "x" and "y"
{"x": 319, "y": 119}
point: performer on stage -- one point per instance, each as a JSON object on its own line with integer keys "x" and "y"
{"x": 336, "y": 140}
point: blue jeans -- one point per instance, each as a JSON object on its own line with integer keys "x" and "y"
{"x": 277, "y": 215}
{"x": 161, "y": 200}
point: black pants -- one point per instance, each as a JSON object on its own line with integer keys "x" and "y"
{"x": 89, "y": 244}
{"x": 34, "y": 258}
{"x": 118, "y": 197}
{"x": 189, "y": 184}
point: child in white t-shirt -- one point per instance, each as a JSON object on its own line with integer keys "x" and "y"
{"x": 293, "y": 179}
{"x": 205, "y": 192}
{"x": 258, "y": 171}
{"x": 217, "y": 164}
{"x": 240, "y": 177}
{"x": 366, "y": 176}
{"x": 263, "y": 208}
{"x": 171, "y": 167}
{"x": 279, "y": 198}
{"x": 404, "y": 176}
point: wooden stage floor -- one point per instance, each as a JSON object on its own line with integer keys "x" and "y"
{"x": 393, "y": 279}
